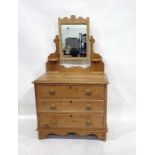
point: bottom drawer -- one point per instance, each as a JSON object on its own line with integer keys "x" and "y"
{"x": 47, "y": 121}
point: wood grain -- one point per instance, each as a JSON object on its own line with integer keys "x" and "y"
{"x": 70, "y": 106}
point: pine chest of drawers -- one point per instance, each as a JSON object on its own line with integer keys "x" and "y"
{"x": 72, "y": 99}
{"x": 71, "y": 103}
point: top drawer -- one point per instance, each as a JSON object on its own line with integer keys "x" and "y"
{"x": 70, "y": 91}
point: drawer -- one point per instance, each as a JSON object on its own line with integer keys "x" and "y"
{"x": 52, "y": 91}
{"x": 49, "y": 105}
{"x": 70, "y": 91}
{"x": 87, "y": 91}
{"x": 50, "y": 121}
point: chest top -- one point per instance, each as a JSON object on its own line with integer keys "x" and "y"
{"x": 75, "y": 78}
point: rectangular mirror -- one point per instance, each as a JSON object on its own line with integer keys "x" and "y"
{"x": 74, "y": 42}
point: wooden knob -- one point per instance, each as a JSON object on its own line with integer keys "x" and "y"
{"x": 53, "y": 122}
{"x": 52, "y": 107}
{"x": 88, "y": 107}
{"x": 52, "y": 92}
{"x": 88, "y": 122}
{"x": 88, "y": 92}
{"x": 46, "y": 125}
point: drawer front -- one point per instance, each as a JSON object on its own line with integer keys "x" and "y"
{"x": 49, "y": 91}
{"x": 49, "y": 105}
{"x": 87, "y": 91}
{"x": 71, "y": 91}
{"x": 50, "y": 121}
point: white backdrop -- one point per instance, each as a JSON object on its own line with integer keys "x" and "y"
{"x": 112, "y": 23}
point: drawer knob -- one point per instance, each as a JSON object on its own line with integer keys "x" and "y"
{"x": 53, "y": 107}
{"x": 88, "y": 107}
{"x": 53, "y": 122}
{"x": 51, "y": 92}
{"x": 46, "y": 126}
{"x": 88, "y": 122}
{"x": 88, "y": 92}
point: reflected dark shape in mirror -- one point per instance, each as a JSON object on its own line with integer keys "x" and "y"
{"x": 74, "y": 40}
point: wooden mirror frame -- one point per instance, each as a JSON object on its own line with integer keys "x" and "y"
{"x": 74, "y": 21}
{"x": 54, "y": 59}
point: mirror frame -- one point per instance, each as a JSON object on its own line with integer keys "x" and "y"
{"x": 74, "y": 21}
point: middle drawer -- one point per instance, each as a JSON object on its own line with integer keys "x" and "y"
{"x": 49, "y": 105}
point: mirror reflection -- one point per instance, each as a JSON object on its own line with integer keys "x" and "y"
{"x": 74, "y": 40}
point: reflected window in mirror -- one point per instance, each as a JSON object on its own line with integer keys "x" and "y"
{"x": 74, "y": 40}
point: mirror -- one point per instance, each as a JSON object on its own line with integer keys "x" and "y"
{"x": 74, "y": 40}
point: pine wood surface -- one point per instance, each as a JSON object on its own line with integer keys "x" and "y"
{"x": 73, "y": 106}
{"x": 73, "y": 77}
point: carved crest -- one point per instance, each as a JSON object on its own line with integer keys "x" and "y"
{"x": 73, "y": 20}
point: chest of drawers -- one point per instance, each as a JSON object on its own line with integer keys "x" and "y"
{"x": 74, "y": 99}
{"x": 71, "y": 105}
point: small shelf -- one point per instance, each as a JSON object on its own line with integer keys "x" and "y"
{"x": 96, "y": 60}
{"x": 53, "y": 59}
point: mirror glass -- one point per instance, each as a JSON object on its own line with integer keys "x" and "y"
{"x": 74, "y": 41}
